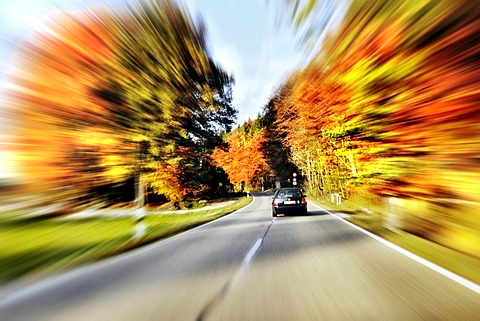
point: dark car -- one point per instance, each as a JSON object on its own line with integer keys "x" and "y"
{"x": 289, "y": 201}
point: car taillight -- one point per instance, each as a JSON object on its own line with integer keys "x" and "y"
{"x": 304, "y": 201}
{"x": 275, "y": 201}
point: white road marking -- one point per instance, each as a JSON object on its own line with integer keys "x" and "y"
{"x": 452, "y": 276}
{"x": 252, "y": 252}
{"x": 236, "y": 276}
{"x": 17, "y": 294}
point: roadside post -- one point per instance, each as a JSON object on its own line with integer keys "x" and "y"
{"x": 140, "y": 227}
{"x": 336, "y": 199}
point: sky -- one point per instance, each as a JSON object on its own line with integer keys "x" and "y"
{"x": 247, "y": 42}
{"x": 242, "y": 34}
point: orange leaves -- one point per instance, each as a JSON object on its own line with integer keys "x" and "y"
{"x": 244, "y": 161}
{"x": 83, "y": 36}
{"x": 57, "y": 69}
{"x": 51, "y": 104}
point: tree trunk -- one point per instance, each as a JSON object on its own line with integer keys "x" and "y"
{"x": 140, "y": 191}
{"x": 352, "y": 165}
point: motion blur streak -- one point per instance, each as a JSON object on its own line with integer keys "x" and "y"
{"x": 106, "y": 104}
{"x": 99, "y": 98}
{"x": 390, "y": 107}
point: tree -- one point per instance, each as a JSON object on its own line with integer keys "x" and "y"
{"x": 388, "y": 101}
{"x": 244, "y": 159}
{"x": 183, "y": 99}
{"x": 276, "y": 151}
{"x": 136, "y": 87}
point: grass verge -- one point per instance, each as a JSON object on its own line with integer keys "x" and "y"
{"x": 461, "y": 264}
{"x": 33, "y": 247}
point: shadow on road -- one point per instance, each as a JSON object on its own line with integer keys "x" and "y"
{"x": 309, "y": 213}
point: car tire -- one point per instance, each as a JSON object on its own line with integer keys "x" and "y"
{"x": 274, "y": 213}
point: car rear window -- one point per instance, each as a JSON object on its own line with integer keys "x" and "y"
{"x": 289, "y": 193}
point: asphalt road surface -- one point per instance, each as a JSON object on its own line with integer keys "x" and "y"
{"x": 248, "y": 266}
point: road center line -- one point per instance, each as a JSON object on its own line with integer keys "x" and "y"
{"x": 256, "y": 246}
{"x": 252, "y": 252}
{"x": 246, "y": 262}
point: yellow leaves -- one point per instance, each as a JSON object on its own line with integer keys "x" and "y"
{"x": 115, "y": 167}
{"x": 358, "y": 72}
{"x": 99, "y": 94}
{"x": 367, "y": 71}
{"x": 402, "y": 73}
{"x": 461, "y": 238}
{"x": 164, "y": 180}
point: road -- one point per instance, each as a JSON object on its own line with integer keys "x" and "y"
{"x": 248, "y": 266}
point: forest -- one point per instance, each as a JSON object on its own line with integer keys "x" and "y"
{"x": 386, "y": 112}
{"x": 387, "y": 109}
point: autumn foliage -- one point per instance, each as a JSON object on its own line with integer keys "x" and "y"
{"x": 244, "y": 159}
{"x": 391, "y": 105}
{"x": 390, "y": 101}
{"x": 102, "y": 96}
